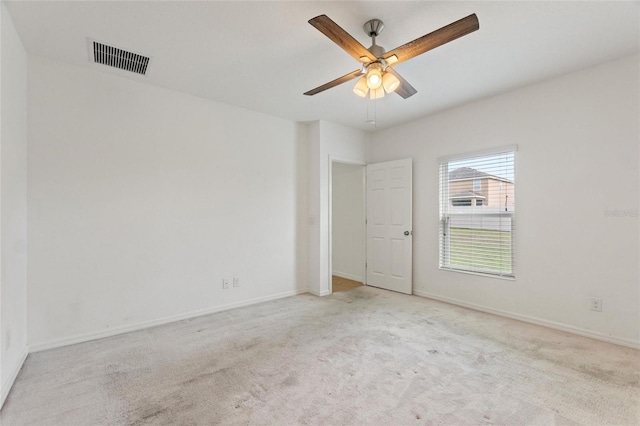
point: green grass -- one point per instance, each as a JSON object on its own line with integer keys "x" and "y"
{"x": 481, "y": 249}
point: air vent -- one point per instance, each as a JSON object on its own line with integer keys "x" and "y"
{"x": 118, "y": 58}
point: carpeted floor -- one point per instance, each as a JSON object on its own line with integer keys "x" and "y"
{"x": 365, "y": 356}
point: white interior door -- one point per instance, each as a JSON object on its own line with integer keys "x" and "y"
{"x": 389, "y": 225}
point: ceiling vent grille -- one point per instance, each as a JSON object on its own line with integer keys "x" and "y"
{"x": 118, "y": 58}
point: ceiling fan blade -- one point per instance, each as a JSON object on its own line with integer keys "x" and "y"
{"x": 342, "y": 38}
{"x": 335, "y": 82}
{"x": 434, "y": 39}
{"x": 404, "y": 89}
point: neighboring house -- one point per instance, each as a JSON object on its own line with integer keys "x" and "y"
{"x": 471, "y": 187}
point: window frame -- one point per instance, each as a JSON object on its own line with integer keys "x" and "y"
{"x": 443, "y": 231}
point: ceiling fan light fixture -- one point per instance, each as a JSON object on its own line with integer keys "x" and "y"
{"x": 374, "y": 76}
{"x": 375, "y": 60}
{"x": 377, "y": 93}
{"x": 361, "y": 87}
{"x": 390, "y": 82}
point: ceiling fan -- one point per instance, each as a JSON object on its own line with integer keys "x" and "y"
{"x": 376, "y": 73}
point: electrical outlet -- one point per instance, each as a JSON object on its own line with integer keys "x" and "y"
{"x": 595, "y": 304}
{"x": 225, "y": 283}
{"x": 236, "y": 282}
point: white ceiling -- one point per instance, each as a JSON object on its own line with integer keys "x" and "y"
{"x": 264, "y": 55}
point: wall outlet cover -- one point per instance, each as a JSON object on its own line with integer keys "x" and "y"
{"x": 595, "y": 304}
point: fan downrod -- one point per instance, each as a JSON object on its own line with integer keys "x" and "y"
{"x": 373, "y": 27}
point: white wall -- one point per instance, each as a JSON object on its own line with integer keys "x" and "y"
{"x": 141, "y": 200}
{"x": 13, "y": 204}
{"x": 578, "y": 157}
{"x": 326, "y": 141}
{"x": 347, "y": 212}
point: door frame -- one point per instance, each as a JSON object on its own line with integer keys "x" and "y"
{"x": 363, "y": 165}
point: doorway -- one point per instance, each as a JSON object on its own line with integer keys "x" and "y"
{"x": 347, "y": 227}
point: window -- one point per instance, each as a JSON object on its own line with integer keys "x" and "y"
{"x": 478, "y": 240}
{"x": 477, "y": 185}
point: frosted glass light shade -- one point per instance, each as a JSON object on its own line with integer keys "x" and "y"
{"x": 390, "y": 82}
{"x": 361, "y": 87}
{"x": 377, "y": 93}
{"x": 374, "y": 78}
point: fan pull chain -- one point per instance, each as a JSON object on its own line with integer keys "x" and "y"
{"x": 373, "y": 120}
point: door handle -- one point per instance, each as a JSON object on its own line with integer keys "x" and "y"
{"x": 406, "y": 232}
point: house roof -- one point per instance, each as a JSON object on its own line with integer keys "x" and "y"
{"x": 464, "y": 173}
{"x": 468, "y": 173}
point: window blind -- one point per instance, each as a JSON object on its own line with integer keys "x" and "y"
{"x": 477, "y": 213}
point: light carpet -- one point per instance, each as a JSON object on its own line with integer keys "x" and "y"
{"x": 365, "y": 356}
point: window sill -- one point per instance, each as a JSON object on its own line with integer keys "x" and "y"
{"x": 481, "y": 274}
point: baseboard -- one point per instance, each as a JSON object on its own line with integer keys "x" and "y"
{"x": 348, "y": 276}
{"x": 319, "y": 293}
{"x": 80, "y": 338}
{"x": 534, "y": 320}
{"x": 13, "y": 374}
